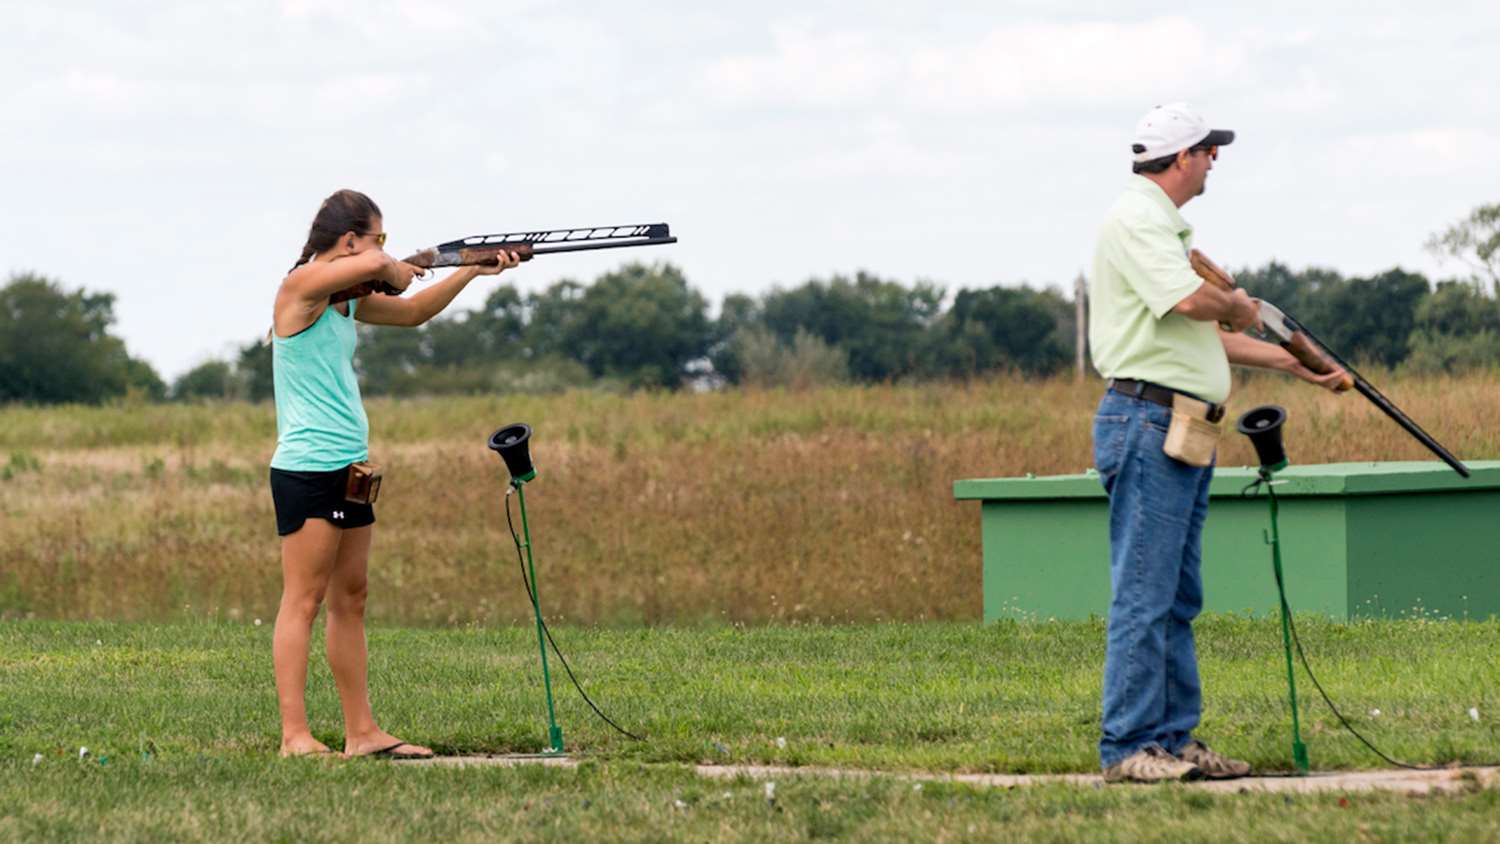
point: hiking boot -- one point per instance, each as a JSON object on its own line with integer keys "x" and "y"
{"x": 1152, "y": 764}
{"x": 1215, "y": 766}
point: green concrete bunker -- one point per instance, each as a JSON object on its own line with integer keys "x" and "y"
{"x": 1359, "y": 540}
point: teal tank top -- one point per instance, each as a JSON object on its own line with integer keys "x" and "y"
{"x": 320, "y": 419}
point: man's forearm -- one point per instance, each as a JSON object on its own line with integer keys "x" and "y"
{"x": 1248, "y": 351}
{"x": 1206, "y": 304}
{"x": 432, "y": 300}
{"x": 1210, "y": 304}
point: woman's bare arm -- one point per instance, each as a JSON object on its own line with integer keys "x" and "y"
{"x": 317, "y": 280}
{"x": 305, "y": 290}
{"x": 417, "y": 308}
{"x": 429, "y": 302}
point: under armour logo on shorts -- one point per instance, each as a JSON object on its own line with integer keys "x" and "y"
{"x": 338, "y": 514}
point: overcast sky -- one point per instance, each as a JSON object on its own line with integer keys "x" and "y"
{"x": 174, "y": 153}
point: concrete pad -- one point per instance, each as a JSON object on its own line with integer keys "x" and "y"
{"x": 1444, "y": 781}
{"x": 1447, "y": 780}
{"x": 497, "y": 760}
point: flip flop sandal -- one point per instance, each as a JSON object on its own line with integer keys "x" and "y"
{"x": 391, "y": 752}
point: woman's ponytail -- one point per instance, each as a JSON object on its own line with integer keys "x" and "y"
{"x": 307, "y": 253}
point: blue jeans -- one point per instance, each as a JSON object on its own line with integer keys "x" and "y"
{"x": 1156, "y": 511}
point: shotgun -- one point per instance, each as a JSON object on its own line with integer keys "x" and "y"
{"x": 1315, "y": 355}
{"x": 481, "y": 250}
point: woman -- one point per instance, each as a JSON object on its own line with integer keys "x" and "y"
{"x": 322, "y": 430}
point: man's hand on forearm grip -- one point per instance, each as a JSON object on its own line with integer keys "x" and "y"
{"x": 1323, "y": 370}
{"x": 1335, "y": 380}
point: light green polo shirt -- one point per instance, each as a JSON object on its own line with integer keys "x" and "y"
{"x": 1141, "y": 272}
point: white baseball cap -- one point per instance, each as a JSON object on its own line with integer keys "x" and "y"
{"x": 1169, "y": 129}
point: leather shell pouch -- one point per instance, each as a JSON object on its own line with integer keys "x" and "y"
{"x": 1194, "y": 433}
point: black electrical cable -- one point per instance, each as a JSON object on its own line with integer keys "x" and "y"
{"x": 1302, "y": 657}
{"x": 531, "y": 594}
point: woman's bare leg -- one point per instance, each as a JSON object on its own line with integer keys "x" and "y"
{"x": 307, "y": 561}
{"x": 347, "y": 655}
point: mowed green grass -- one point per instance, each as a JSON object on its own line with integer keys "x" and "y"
{"x": 185, "y": 716}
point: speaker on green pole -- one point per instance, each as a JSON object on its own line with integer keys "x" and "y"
{"x": 513, "y": 444}
{"x": 1263, "y": 426}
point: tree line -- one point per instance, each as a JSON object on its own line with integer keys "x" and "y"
{"x": 646, "y": 326}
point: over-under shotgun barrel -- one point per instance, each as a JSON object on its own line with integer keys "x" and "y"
{"x": 480, "y": 250}
{"x": 1387, "y": 406}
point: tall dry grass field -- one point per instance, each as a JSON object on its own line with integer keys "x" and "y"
{"x": 830, "y": 505}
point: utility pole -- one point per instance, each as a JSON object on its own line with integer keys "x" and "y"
{"x": 1080, "y": 326}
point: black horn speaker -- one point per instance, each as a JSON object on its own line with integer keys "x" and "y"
{"x": 513, "y": 444}
{"x": 1263, "y": 426}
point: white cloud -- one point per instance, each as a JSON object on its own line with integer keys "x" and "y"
{"x": 1051, "y": 64}
{"x": 101, "y": 92}
{"x": 1422, "y": 152}
{"x": 882, "y": 148}
{"x": 1452, "y": 148}
{"x": 1073, "y": 63}
{"x": 419, "y": 17}
{"x": 805, "y": 70}
{"x": 1309, "y": 92}
{"x": 303, "y": 9}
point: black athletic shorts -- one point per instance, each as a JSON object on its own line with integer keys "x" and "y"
{"x": 300, "y": 496}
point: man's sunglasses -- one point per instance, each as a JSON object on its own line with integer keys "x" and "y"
{"x": 1212, "y": 150}
{"x": 379, "y": 238}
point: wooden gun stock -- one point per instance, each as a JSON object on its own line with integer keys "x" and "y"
{"x": 363, "y": 289}
{"x": 468, "y": 256}
{"x": 1209, "y": 271}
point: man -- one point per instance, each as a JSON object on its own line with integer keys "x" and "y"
{"x": 1155, "y": 330}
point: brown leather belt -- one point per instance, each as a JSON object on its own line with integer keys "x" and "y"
{"x": 1157, "y": 394}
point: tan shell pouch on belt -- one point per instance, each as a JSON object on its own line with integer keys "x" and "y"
{"x": 1194, "y": 432}
{"x": 364, "y": 483}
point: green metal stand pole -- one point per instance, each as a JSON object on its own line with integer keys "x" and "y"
{"x": 1299, "y": 750}
{"x": 555, "y": 732}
